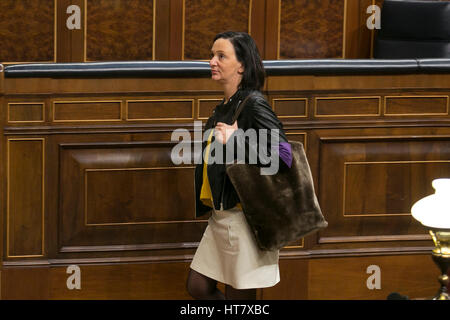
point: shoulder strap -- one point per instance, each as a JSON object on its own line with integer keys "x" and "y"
{"x": 240, "y": 107}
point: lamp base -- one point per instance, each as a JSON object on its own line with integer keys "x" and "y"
{"x": 443, "y": 263}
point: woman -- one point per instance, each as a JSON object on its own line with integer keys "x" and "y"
{"x": 228, "y": 252}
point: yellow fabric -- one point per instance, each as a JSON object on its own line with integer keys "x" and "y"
{"x": 205, "y": 193}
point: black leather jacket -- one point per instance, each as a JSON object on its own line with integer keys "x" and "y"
{"x": 256, "y": 114}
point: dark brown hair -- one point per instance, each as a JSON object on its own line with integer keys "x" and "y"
{"x": 247, "y": 53}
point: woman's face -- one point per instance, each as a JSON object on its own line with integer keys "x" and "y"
{"x": 225, "y": 67}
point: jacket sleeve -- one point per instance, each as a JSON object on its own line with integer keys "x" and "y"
{"x": 264, "y": 141}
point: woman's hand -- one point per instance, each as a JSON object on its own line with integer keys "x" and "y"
{"x": 223, "y": 131}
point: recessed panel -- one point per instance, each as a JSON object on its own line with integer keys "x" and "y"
{"x": 206, "y": 107}
{"x": 135, "y": 196}
{"x": 86, "y": 111}
{"x": 386, "y": 188}
{"x": 368, "y": 186}
{"x": 25, "y": 112}
{"x": 290, "y": 108}
{"x": 347, "y": 106}
{"x": 25, "y": 197}
{"x": 128, "y": 194}
{"x": 413, "y": 105}
{"x": 160, "y": 110}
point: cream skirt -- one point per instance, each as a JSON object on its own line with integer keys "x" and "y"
{"x": 229, "y": 254}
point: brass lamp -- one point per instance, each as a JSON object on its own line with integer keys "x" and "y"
{"x": 433, "y": 212}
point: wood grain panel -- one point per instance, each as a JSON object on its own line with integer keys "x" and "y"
{"x": 293, "y": 281}
{"x": 416, "y": 105}
{"x": 25, "y": 197}
{"x": 311, "y": 29}
{"x": 27, "y": 30}
{"x": 125, "y": 281}
{"x": 119, "y": 30}
{"x": 168, "y": 30}
{"x": 25, "y": 283}
{"x": 379, "y": 188}
{"x": 70, "y": 43}
{"x": 160, "y": 109}
{"x": 202, "y": 23}
{"x": 206, "y": 107}
{"x": 130, "y": 200}
{"x": 368, "y": 186}
{"x": 64, "y": 111}
{"x": 349, "y": 277}
{"x": 358, "y": 38}
{"x": 272, "y": 30}
{"x": 347, "y": 106}
{"x": 290, "y": 107}
{"x": 135, "y": 196}
{"x": 26, "y": 112}
{"x": 298, "y": 136}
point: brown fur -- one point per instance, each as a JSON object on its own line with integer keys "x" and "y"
{"x": 280, "y": 208}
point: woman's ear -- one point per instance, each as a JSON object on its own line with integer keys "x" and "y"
{"x": 241, "y": 69}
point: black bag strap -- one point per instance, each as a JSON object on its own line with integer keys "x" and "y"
{"x": 240, "y": 107}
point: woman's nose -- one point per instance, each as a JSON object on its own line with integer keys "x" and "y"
{"x": 213, "y": 61}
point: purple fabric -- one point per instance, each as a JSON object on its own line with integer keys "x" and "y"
{"x": 286, "y": 153}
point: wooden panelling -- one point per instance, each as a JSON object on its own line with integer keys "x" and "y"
{"x": 290, "y": 107}
{"x": 135, "y": 196}
{"x": 346, "y": 278}
{"x": 293, "y": 281}
{"x": 27, "y": 30}
{"x": 65, "y": 111}
{"x": 26, "y": 112}
{"x": 70, "y": 43}
{"x": 95, "y": 185}
{"x": 347, "y": 106}
{"x": 367, "y": 186}
{"x": 311, "y": 29}
{"x": 202, "y": 23}
{"x": 178, "y": 29}
{"x": 168, "y": 44}
{"x": 25, "y": 283}
{"x": 298, "y": 136}
{"x": 272, "y": 30}
{"x": 25, "y": 197}
{"x": 388, "y": 192}
{"x": 206, "y": 106}
{"x": 119, "y": 30}
{"x": 160, "y": 109}
{"x": 358, "y": 39}
{"x": 416, "y": 105}
{"x": 123, "y": 281}
{"x": 126, "y": 281}
{"x": 120, "y": 193}
{"x": 414, "y": 276}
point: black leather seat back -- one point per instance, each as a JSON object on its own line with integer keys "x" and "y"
{"x": 413, "y": 29}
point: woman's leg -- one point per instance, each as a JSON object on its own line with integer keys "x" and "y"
{"x": 201, "y": 287}
{"x": 239, "y": 294}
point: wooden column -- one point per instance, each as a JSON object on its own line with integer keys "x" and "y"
{"x": 70, "y": 44}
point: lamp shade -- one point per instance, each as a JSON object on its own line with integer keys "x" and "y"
{"x": 434, "y": 210}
